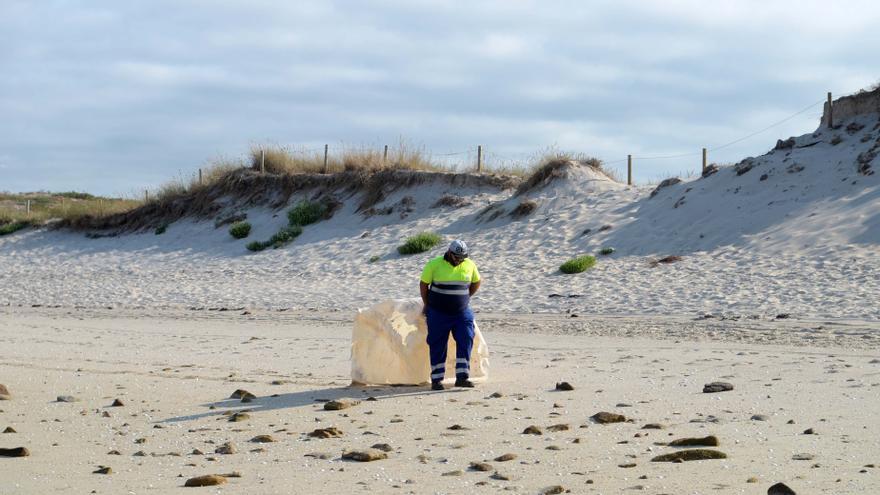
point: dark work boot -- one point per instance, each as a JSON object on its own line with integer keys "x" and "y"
{"x": 464, "y": 382}
{"x": 437, "y": 386}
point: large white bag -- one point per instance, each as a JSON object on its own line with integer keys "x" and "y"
{"x": 388, "y": 346}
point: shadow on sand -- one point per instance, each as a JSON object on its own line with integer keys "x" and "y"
{"x": 303, "y": 399}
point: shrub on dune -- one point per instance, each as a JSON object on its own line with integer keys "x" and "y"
{"x": 606, "y": 251}
{"x": 578, "y": 265}
{"x": 306, "y": 213}
{"x": 240, "y": 230}
{"x": 11, "y": 227}
{"x": 419, "y": 243}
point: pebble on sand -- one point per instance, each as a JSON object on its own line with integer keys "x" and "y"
{"x": 780, "y": 489}
{"x": 65, "y": 398}
{"x": 336, "y": 405}
{"x": 564, "y": 387}
{"x": 4, "y": 393}
{"x": 206, "y": 480}
{"x": 533, "y": 430}
{"x": 331, "y": 432}
{"x": 16, "y": 452}
{"x": 384, "y": 447}
{"x": 552, "y": 490}
{"x": 242, "y": 393}
{"x": 117, "y": 403}
{"x": 263, "y": 439}
{"x": 9, "y": 429}
{"x": 367, "y": 455}
{"x": 226, "y": 448}
{"x": 505, "y": 457}
{"x": 559, "y": 427}
{"x": 480, "y": 466}
{"x": 239, "y": 416}
{"x": 714, "y": 387}
{"x": 690, "y": 455}
{"x": 607, "y": 417}
{"x": 103, "y": 470}
{"x": 709, "y": 441}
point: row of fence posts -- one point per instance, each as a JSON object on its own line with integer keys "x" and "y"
{"x": 629, "y": 158}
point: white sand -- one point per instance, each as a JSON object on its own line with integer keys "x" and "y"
{"x": 169, "y": 367}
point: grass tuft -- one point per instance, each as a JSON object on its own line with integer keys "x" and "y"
{"x": 578, "y": 265}
{"x": 161, "y": 229}
{"x": 419, "y": 243}
{"x": 306, "y": 213}
{"x": 240, "y": 230}
{"x": 11, "y": 227}
{"x": 605, "y": 251}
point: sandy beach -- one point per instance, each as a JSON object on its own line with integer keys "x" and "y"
{"x": 174, "y": 372}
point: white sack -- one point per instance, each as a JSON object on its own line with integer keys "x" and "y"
{"x": 388, "y": 346}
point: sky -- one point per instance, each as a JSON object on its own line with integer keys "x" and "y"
{"x": 116, "y": 97}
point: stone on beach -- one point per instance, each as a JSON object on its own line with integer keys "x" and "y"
{"x": 607, "y": 417}
{"x": 709, "y": 441}
{"x": 780, "y": 489}
{"x": 16, "y": 452}
{"x": 242, "y": 394}
{"x": 366, "y": 455}
{"x": 206, "y": 480}
{"x": 690, "y": 455}
{"x": 4, "y": 393}
{"x": 330, "y": 432}
{"x": 337, "y": 405}
{"x": 714, "y": 387}
{"x": 533, "y": 430}
{"x": 564, "y": 387}
{"x": 263, "y": 439}
{"x": 227, "y": 448}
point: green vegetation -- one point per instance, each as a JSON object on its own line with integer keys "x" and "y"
{"x": 374, "y": 259}
{"x": 240, "y": 230}
{"x": 578, "y": 265}
{"x": 419, "y": 243}
{"x": 161, "y": 229}
{"x": 306, "y": 212}
{"x": 605, "y": 251}
{"x": 257, "y": 246}
{"x": 9, "y": 228}
{"x": 279, "y": 239}
{"x": 65, "y": 206}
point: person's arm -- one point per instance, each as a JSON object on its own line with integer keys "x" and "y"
{"x": 474, "y": 287}
{"x": 423, "y": 287}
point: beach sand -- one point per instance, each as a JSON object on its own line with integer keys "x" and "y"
{"x": 174, "y": 372}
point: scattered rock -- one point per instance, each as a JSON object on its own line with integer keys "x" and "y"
{"x": 653, "y": 426}
{"x": 627, "y": 465}
{"x": 384, "y": 447}
{"x": 714, "y": 387}
{"x": 139, "y": 453}
{"x": 367, "y": 455}
{"x": 226, "y": 449}
{"x": 498, "y": 395}
{"x": 103, "y": 470}
{"x": 560, "y": 427}
{"x": 9, "y": 429}
{"x": 241, "y": 394}
{"x": 480, "y": 466}
{"x": 803, "y": 457}
{"x": 780, "y": 489}
{"x": 457, "y": 472}
{"x": 16, "y": 452}
{"x": 331, "y": 432}
{"x": 666, "y": 183}
{"x": 197, "y": 452}
{"x": 337, "y": 405}
{"x": 711, "y": 169}
{"x": 809, "y": 431}
{"x": 607, "y": 417}
{"x": 117, "y": 403}
{"x": 4, "y": 393}
{"x": 263, "y": 439}
{"x": 505, "y": 457}
{"x": 710, "y": 441}
{"x": 564, "y": 387}
{"x": 66, "y": 398}
{"x": 784, "y": 145}
{"x": 668, "y": 259}
{"x": 114, "y": 452}
{"x": 744, "y": 166}
{"x": 552, "y": 490}
{"x": 320, "y": 455}
{"x": 206, "y": 480}
{"x": 760, "y": 417}
{"x": 690, "y": 455}
{"x": 499, "y": 476}
{"x": 533, "y": 430}
{"x": 239, "y": 416}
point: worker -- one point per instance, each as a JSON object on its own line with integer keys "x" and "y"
{"x": 447, "y": 284}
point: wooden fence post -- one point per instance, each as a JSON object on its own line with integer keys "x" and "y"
{"x": 830, "y": 112}
{"x": 629, "y": 170}
{"x": 385, "y": 156}
{"x": 146, "y": 196}
{"x": 479, "y": 158}
{"x": 326, "y": 149}
{"x": 28, "y": 208}
{"x": 704, "y": 159}
{"x": 200, "y": 177}
{"x": 262, "y": 161}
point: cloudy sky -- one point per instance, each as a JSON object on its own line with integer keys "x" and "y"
{"x": 112, "y": 97}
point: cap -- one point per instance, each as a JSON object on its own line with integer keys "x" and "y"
{"x": 458, "y": 248}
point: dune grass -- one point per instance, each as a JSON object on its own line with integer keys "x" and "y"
{"x": 240, "y": 230}
{"x": 49, "y": 206}
{"x": 605, "y": 251}
{"x": 578, "y": 265}
{"x": 419, "y": 243}
{"x": 306, "y": 213}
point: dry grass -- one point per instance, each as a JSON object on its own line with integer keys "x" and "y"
{"x": 553, "y": 165}
{"x": 46, "y": 207}
{"x": 280, "y": 160}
